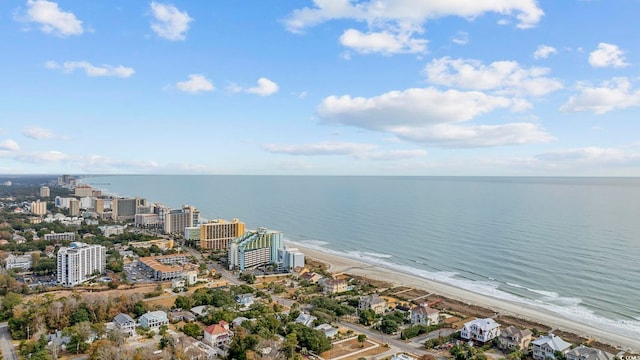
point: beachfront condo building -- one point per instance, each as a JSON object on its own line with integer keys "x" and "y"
{"x": 255, "y": 248}
{"x": 175, "y": 221}
{"x": 80, "y": 262}
{"x": 83, "y": 190}
{"x": 217, "y": 234}
{"x": 125, "y": 209}
{"x": 290, "y": 258}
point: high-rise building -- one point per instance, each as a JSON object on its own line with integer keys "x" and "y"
{"x": 216, "y": 234}
{"x": 45, "y": 192}
{"x": 175, "y": 221}
{"x": 83, "y": 190}
{"x": 80, "y": 262}
{"x": 255, "y": 248}
{"x": 74, "y": 207}
{"x": 99, "y": 206}
{"x": 124, "y": 209}
{"x": 39, "y": 207}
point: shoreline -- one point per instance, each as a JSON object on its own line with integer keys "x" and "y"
{"x": 338, "y": 264}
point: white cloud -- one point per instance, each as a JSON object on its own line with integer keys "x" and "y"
{"x": 461, "y": 38}
{"x": 526, "y": 12}
{"x": 544, "y": 51}
{"x": 323, "y": 148}
{"x": 52, "y": 19}
{"x": 426, "y": 116}
{"x": 43, "y": 156}
{"x": 9, "y": 145}
{"x": 90, "y": 69}
{"x": 607, "y": 55}
{"x": 356, "y": 150}
{"x": 385, "y": 42}
{"x": 610, "y": 95}
{"x": 265, "y": 87}
{"x": 503, "y": 77}
{"x": 196, "y": 83}
{"x": 38, "y": 133}
{"x": 593, "y": 155}
{"x": 170, "y": 23}
{"x": 392, "y": 24}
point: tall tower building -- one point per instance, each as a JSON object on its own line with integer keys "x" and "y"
{"x": 74, "y": 207}
{"x": 175, "y": 221}
{"x": 216, "y": 234}
{"x": 45, "y": 192}
{"x": 80, "y": 262}
{"x": 125, "y": 209}
{"x": 39, "y": 207}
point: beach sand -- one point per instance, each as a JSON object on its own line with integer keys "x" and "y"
{"x": 339, "y": 264}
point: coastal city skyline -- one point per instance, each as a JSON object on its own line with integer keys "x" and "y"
{"x": 320, "y": 88}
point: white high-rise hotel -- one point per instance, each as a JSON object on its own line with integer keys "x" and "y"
{"x": 80, "y": 262}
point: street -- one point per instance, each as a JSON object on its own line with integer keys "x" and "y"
{"x": 8, "y": 351}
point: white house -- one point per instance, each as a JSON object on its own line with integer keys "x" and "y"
{"x": 244, "y": 300}
{"x": 424, "y": 315}
{"x": 482, "y": 330}
{"x": 305, "y": 319}
{"x": 328, "y": 330}
{"x": 545, "y": 347}
{"x": 218, "y": 335}
{"x": 153, "y": 320}
{"x": 125, "y": 324}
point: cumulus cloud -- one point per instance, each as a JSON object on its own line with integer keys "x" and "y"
{"x": 385, "y": 42}
{"x": 52, "y": 19}
{"x": 503, "y": 77}
{"x": 196, "y": 83}
{"x": 9, "y": 145}
{"x": 544, "y": 51}
{"x": 356, "y": 150}
{"x": 392, "y": 24}
{"x": 429, "y": 116}
{"x": 170, "y": 23}
{"x": 90, "y": 69}
{"x": 38, "y": 133}
{"x": 265, "y": 87}
{"x": 609, "y": 95}
{"x": 607, "y": 55}
{"x": 43, "y": 156}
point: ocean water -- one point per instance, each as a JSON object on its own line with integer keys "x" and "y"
{"x": 567, "y": 245}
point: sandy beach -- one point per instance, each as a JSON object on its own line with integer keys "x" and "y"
{"x": 339, "y": 264}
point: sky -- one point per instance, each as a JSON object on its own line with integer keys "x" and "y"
{"x": 320, "y": 87}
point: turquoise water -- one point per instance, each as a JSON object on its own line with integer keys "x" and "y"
{"x": 569, "y": 245}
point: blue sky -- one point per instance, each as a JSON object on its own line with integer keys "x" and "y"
{"x": 332, "y": 87}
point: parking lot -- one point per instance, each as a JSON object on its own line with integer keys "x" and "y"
{"x": 135, "y": 273}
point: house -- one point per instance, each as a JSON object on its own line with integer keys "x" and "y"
{"x": 424, "y": 315}
{"x": 482, "y": 330}
{"x": 125, "y": 324}
{"x": 311, "y": 277}
{"x": 586, "y": 353}
{"x": 328, "y": 330}
{"x": 334, "y": 286}
{"x": 180, "y": 315}
{"x": 512, "y": 337}
{"x": 58, "y": 339}
{"x": 218, "y": 335}
{"x": 299, "y": 271}
{"x": 201, "y": 310}
{"x": 153, "y": 320}
{"x": 305, "y": 319}
{"x": 545, "y": 347}
{"x": 372, "y": 302}
{"x": 244, "y": 300}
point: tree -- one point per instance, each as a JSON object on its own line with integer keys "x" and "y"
{"x": 389, "y": 326}
{"x": 192, "y": 330}
{"x": 290, "y": 344}
{"x": 183, "y": 302}
{"x": 361, "y": 339}
{"x": 367, "y": 317}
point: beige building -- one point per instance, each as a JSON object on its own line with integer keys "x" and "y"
{"x": 163, "y": 244}
{"x": 45, "y": 192}
{"x": 39, "y": 207}
{"x": 373, "y": 302}
{"x": 83, "y": 191}
{"x": 216, "y": 234}
{"x": 334, "y": 286}
{"x": 74, "y": 207}
{"x": 512, "y": 337}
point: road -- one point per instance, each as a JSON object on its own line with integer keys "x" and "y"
{"x": 393, "y": 341}
{"x": 8, "y": 351}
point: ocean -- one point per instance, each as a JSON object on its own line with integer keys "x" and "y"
{"x": 567, "y": 245}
